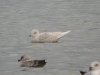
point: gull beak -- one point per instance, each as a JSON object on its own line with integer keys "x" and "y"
{"x": 30, "y": 35}
{"x": 19, "y": 60}
{"x": 90, "y": 68}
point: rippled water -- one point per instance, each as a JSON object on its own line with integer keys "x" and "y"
{"x": 74, "y": 51}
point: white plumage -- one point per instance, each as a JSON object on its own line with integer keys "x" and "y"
{"x": 94, "y": 69}
{"x": 44, "y": 37}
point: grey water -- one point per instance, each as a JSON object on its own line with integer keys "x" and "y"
{"x": 73, "y": 52}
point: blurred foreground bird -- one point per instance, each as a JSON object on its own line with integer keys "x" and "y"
{"x": 94, "y": 69}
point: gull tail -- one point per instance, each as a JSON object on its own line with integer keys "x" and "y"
{"x": 63, "y": 34}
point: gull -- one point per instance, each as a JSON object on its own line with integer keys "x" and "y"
{"x": 46, "y": 37}
{"x": 94, "y": 69}
{"x": 27, "y": 61}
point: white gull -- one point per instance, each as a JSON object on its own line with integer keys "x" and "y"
{"x": 49, "y": 37}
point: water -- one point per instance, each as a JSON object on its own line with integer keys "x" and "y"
{"x": 74, "y": 51}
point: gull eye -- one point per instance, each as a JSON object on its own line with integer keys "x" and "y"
{"x": 96, "y": 65}
{"x": 35, "y": 32}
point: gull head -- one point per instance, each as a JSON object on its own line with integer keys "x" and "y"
{"x": 94, "y": 66}
{"x": 24, "y": 58}
{"x": 34, "y": 33}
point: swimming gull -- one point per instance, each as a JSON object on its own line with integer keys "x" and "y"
{"x": 27, "y": 61}
{"x": 49, "y": 37}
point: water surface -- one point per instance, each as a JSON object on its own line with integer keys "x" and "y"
{"x": 74, "y": 51}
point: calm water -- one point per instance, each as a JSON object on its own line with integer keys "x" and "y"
{"x": 74, "y": 51}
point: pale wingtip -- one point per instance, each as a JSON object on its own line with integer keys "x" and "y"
{"x": 68, "y": 31}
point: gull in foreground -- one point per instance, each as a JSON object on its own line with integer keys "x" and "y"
{"x": 46, "y": 37}
{"x": 94, "y": 69}
{"x": 27, "y": 61}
